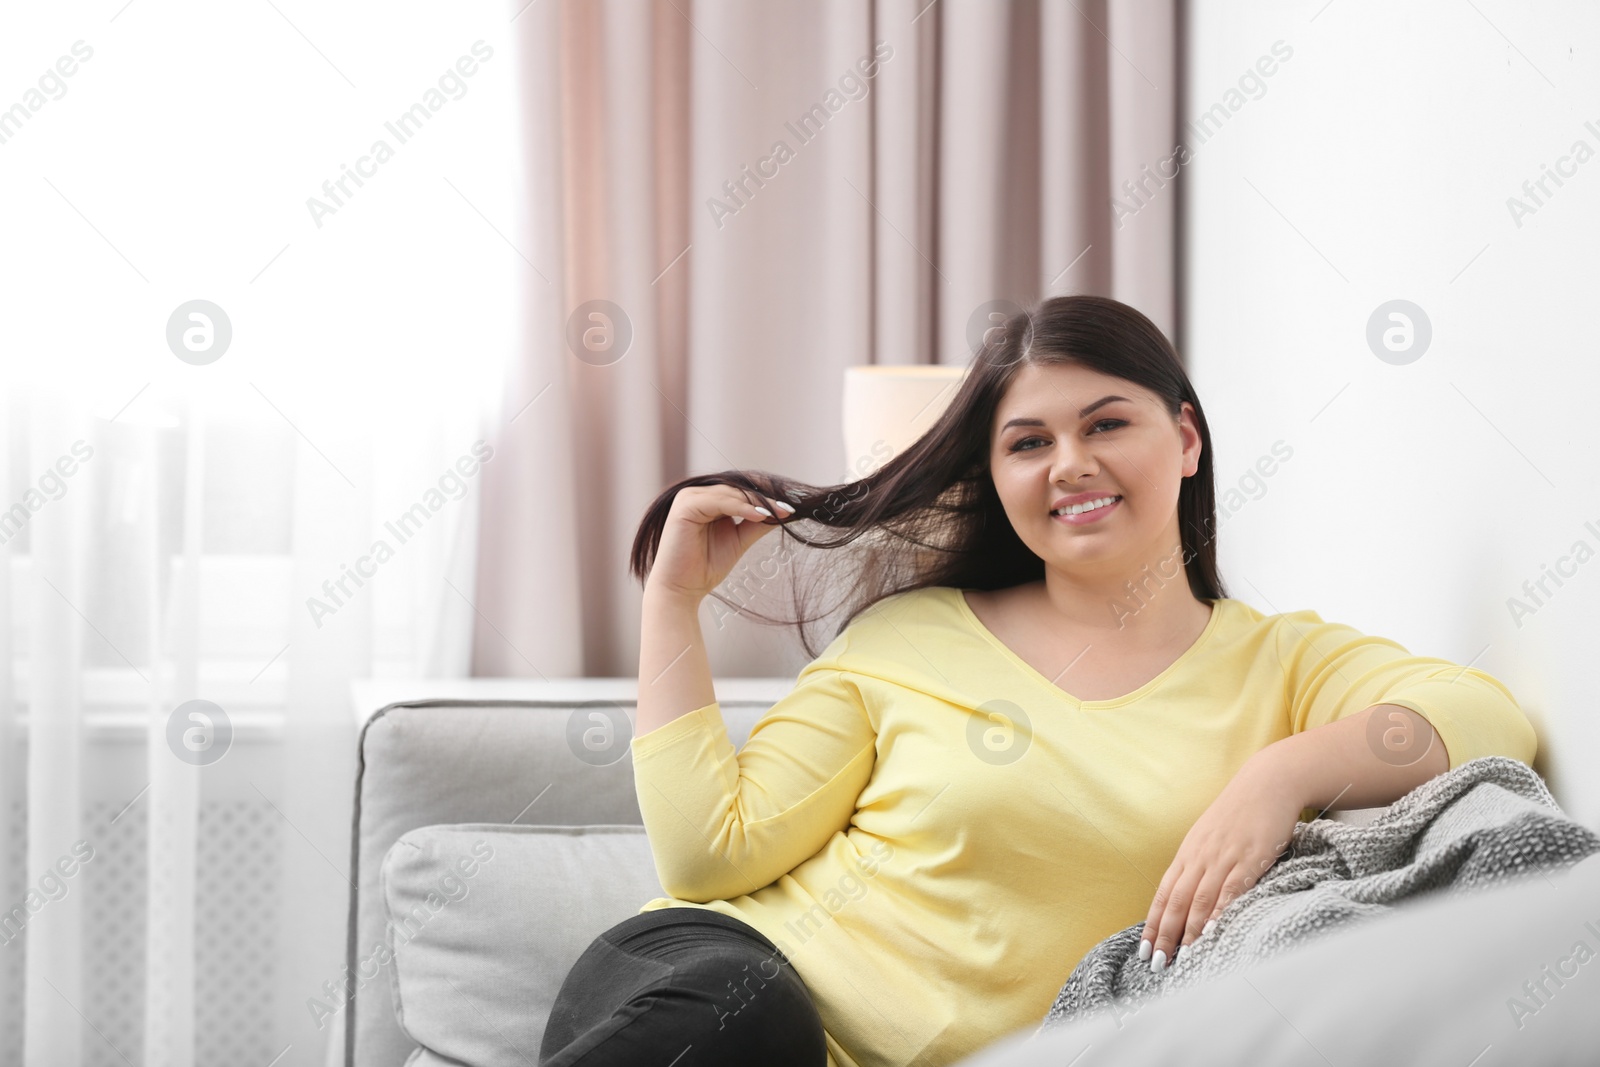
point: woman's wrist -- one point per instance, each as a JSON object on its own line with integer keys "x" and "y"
{"x": 667, "y": 597}
{"x": 1275, "y": 772}
{"x": 674, "y": 669}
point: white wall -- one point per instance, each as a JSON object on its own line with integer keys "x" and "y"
{"x": 1376, "y": 165}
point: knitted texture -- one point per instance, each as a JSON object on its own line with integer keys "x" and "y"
{"x": 1488, "y": 820}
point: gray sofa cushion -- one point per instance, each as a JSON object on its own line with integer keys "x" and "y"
{"x": 485, "y": 921}
{"x": 443, "y": 761}
{"x": 421, "y": 1057}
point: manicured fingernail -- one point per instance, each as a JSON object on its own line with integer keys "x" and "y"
{"x": 1158, "y": 964}
{"x": 765, "y": 512}
{"x": 737, "y": 519}
{"x": 785, "y": 505}
{"x": 1206, "y": 929}
{"x": 1144, "y": 951}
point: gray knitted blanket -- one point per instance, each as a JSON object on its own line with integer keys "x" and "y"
{"x": 1487, "y": 820}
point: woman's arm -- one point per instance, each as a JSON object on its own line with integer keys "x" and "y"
{"x": 1334, "y": 672}
{"x": 725, "y": 822}
{"x": 701, "y": 540}
{"x": 674, "y": 670}
{"x": 1368, "y": 759}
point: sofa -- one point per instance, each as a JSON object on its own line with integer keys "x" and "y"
{"x": 496, "y": 833}
{"x": 495, "y": 822}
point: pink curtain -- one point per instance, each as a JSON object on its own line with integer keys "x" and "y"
{"x": 761, "y": 195}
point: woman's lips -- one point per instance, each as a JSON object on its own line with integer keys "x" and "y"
{"x": 1085, "y": 518}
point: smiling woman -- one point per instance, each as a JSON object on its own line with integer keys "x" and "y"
{"x": 1091, "y": 489}
{"x": 1056, "y": 522}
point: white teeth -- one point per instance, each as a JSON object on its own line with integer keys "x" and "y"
{"x": 1079, "y": 509}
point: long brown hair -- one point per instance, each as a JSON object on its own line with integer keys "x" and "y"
{"x": 931, "y": 515}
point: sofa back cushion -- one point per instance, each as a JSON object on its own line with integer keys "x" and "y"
{"x": 445, "y": 761}
{"x": 485, "y": 920}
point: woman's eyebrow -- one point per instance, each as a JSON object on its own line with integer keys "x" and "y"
{"x": 1102, "y": 402}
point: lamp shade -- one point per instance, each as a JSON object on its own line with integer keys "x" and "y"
{"x": 886, "y": 408}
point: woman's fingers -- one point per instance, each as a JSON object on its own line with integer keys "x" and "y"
{"x": 1182, "y": 913}
{"x": 1206, "y": 903}
{"x": 769, "y": 508}
{"x": 697, "y": 549}
{"x": 1158, "y": 908}
{"x": 1170, "y": 923}
{"x": 1165, "y": 899}
{"x": 708, "y": 503}
{"x": 741, "y": 507}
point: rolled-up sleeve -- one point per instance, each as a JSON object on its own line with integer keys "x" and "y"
{"x": 1332, "y": 670}
{"x": 722, "y": 824}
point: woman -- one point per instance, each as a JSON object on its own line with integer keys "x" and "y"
{"x": 1042, "y": 722}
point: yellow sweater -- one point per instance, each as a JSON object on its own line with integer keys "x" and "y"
{"x": 934, "y": 834}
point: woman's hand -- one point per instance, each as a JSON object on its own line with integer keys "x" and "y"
{"x": 1227, "y": 850}
{"x": 708, "y": 528}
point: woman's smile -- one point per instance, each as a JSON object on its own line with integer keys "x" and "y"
{"x": 1084, "y": 518}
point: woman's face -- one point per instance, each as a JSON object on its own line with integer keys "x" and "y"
{"x": 1056, "y": 434}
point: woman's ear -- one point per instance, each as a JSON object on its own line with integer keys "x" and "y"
{"x": 1189, "y": 432}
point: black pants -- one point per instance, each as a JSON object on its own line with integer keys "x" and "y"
{"x": 685, "y": 987}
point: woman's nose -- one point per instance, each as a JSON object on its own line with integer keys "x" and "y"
{"x": 1073, "y": 463}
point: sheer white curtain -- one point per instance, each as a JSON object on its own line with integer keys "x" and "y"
{"x": 252, "y": 532}
{"x": 180, "y": 912}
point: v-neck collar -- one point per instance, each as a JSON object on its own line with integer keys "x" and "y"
{"x": 977, "y": 625}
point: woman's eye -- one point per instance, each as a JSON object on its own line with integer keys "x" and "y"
{"x": 1017, "y": 446}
